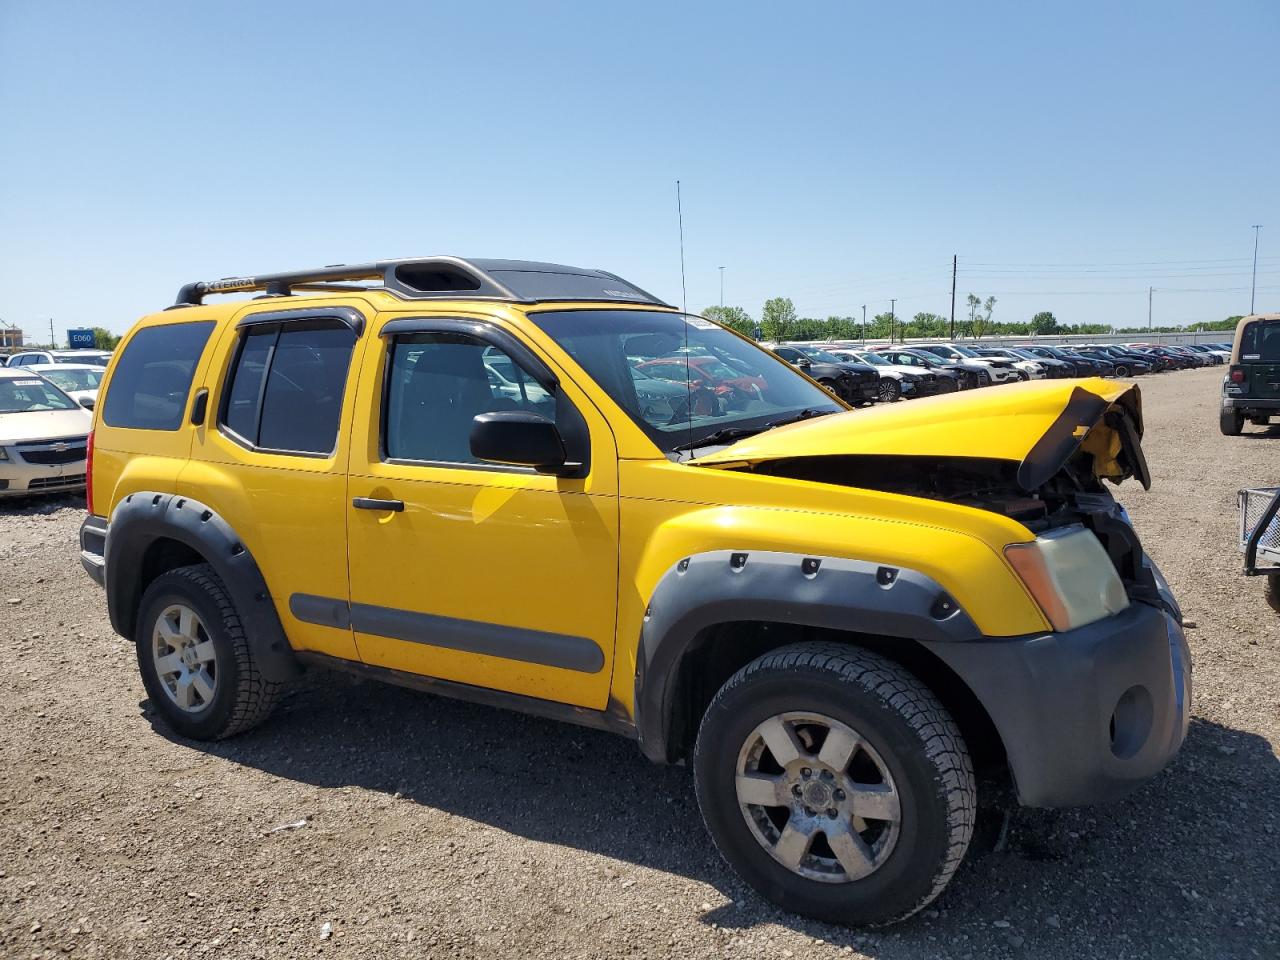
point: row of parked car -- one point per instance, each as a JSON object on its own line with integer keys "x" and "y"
{"x": 45, "y": 401}
{"x": 860, "y": 373}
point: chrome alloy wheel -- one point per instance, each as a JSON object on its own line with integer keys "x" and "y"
{"x": 184, "y": 659}
{"x": 818, "y": 797}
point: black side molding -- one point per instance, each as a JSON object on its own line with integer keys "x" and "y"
{"x": 567, "y": 652}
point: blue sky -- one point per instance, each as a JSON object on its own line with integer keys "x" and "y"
{"x": 1070, "y": 154}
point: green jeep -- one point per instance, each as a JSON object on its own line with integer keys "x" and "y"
{"x": 1251, "y": 388}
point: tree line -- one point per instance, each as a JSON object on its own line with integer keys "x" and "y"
{"x": 779, "y": 321}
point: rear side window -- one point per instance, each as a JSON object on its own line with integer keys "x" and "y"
{"x": 284, "y": 392}
{"x": 149, "y": 388}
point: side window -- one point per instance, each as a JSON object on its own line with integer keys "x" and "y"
{"x": 438, "y": 382}
{"x": 149, "y": 388}
{"x": 284, "y": 391}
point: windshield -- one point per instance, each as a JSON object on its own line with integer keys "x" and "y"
{"x": 27, "y": 396}
{"x": 74, "y": 379}
{"x": 965, "y": 351}
{"x": 823, "y": 356}
{"x": 727, "y": 383}
{"x": 874, "y": 358}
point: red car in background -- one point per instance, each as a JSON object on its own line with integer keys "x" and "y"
{"x": 709, "y": 376}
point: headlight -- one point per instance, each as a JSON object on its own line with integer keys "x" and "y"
{"x": 1070, "y": 576}
{"x": 4, "y": 455}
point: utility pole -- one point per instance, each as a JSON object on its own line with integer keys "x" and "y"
{"x": 722, "y": 288}
{"x": 53, "y": 344}
{"x": 864, "y": 325}
{"x": 1150, "y": 290}
{"x": 1253, "y": 288}
{"x": 955, "y": 259}
{"x": 892, "y": 320}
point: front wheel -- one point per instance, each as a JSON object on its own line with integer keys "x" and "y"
{"x": 1122, "y": 370}
{"x": 888, "y": 391}
{"x": 1230, "y": 422}
{"x": 835, "y": 783}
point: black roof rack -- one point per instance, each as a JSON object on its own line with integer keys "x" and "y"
{"x": 436, "y": 278}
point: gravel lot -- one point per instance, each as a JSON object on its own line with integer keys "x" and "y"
{"x": 431, "y": 828}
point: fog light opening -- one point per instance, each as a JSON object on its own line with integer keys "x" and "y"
{"x": 1131, "y": 722}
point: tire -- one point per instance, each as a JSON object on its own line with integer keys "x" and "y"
{"x": 830, "y": 387}
{"x": 215, "y": 669}
{"x": 903, "y": 736}
{"x": 888, "y": 390}
{"x": 947, "y": 385}
{"x": 1121, "y": 370}
{"x": 1231, "y": 422}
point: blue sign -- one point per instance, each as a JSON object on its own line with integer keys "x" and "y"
{"x": 80, "y": 338}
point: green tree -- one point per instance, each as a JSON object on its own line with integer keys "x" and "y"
{"x": 1044, "y": 323}
{"x": 927, "y": 325}
{"x": 777, "y": 319}
{"x": 979, "y": 314}
{"x": 735, "y": 318}
{"x": 104, "y": 339}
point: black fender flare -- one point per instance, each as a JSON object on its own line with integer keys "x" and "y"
{"x": 723, "y": 586}
{"x": 145, "y": 517}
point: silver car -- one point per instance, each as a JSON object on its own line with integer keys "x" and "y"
{"x": 43, "y": 436}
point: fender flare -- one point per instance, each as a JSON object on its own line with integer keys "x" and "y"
{"x": 146, "y": 516}
{"x": 722, "y": 586}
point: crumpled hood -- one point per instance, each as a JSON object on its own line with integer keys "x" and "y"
{"x": 1040, "y": 425}
{"x": 44, "y": 425}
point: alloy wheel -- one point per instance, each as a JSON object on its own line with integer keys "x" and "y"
{"x": 817, "y": 797}
{"x": 183, "y": 654}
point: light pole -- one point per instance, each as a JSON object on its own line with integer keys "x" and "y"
{"x": 893, "y": 318}
{"x": 1150, "y": 291}
{"x": 864, "y": 325}
{"x": 1253, "y": 288}
{"x": 722, "y": 288}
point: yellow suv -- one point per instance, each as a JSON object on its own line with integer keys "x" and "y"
{"x": 539, "y": 487}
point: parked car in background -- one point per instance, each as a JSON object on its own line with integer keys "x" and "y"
{"x": 97, "y": 358}
{"x": 1251, "y": 388}
{"x": 1218, "y": 355}
{"x": 1000, "y": 371}
{"x": 79, "y": 381}
{"x": 1027, "y": 369}
{"x": 1127, "y": 364}
{"x": 1173, "y": 359}
{"x": 857, "y": 384}
{"x": 890, "y": 386}
{"x": 43, "y": 436}
{"x": 966, "y": 377}
{"x": 715, "y": 385}
{"x": 1080, "y": 366}
{"x": 916, "y": 381}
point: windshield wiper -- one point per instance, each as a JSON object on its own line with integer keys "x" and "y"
{"x": 723, "y": 435}
{"x": 804, "y": 414}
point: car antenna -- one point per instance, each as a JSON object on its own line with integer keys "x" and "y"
{"x": 684, "y": 321}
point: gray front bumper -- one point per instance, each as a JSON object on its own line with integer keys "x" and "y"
{"x": 1086, "y": 715}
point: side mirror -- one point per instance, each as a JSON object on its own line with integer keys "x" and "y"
{"x": 520, "y": 438}
{"x": 804, "y": 363}
{"x": 87, "y": 402}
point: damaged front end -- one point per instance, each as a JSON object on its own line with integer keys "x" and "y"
{"x": 1052, "y": 461}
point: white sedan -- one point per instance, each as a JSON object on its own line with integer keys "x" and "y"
{"x": 79, "y": 381}
{"x": 43, "y": 436}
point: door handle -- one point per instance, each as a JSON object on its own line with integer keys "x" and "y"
{"x": 373, "y": 503}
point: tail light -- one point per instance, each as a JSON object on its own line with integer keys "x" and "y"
{"x": 1237, "y": 375}
{"x": 88, "y": 473}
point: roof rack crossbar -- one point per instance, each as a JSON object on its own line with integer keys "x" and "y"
{"x": 429, "y": 278}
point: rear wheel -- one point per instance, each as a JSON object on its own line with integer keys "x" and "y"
{"x": 835, "y": 783}
{"x": 1231, "y": 422}
{"x": 888, "y": 391}
{"x": 195, "y": 661}
{"x": 1122, "y": 370}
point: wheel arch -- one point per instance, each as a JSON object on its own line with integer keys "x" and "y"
{"x": 725, "y": 609}
{"x": 151, "y": 533}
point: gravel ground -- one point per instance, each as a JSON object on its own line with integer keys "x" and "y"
{"x": 367, "y": 821}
